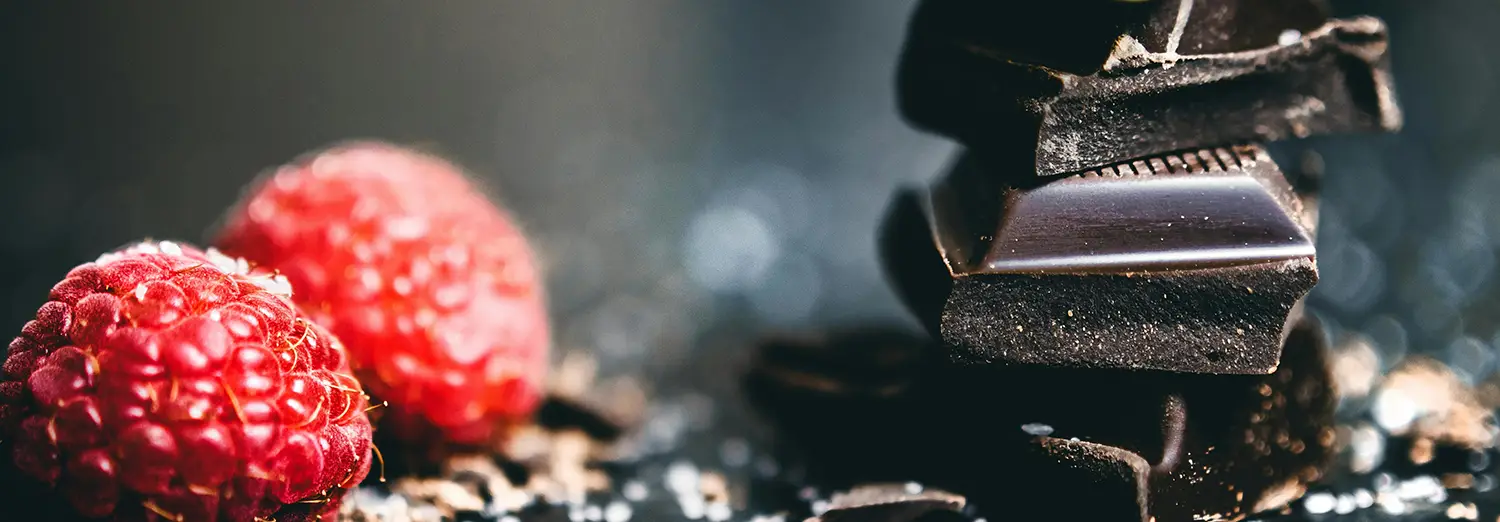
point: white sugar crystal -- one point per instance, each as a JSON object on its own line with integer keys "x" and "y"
{"x": 634, "y": 491}
{"x": 682, "y": 478}
{"x": 1036, "y": 428}
{"x": 719, "y": 512}
{"x": 1319, "y": 503}
{"x": 617, "y": 512}
{"x": 692, "y": 506}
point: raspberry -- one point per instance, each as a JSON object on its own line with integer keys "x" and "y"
{"x": 433, "y": 286}
{"x": 165, "y": 383}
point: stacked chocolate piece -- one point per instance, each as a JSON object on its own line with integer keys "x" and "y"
{"x": 1116, "y": 226}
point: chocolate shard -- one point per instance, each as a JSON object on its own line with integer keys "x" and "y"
{"x": 558, "y": 413}
{"x": 1188, "y": 262}
{"x": 822, "y": 391}
{"x": 888, "y": 503}
{"x": 1118, "y": 480}
{"x": 1123, "y": 80}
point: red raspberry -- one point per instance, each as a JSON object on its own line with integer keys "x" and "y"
{"x": 161, "y": 382}
{"x": 435, "y": 287}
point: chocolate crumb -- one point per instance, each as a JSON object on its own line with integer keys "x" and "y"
{"x": 479, "y": 483}
{"x": 514, "y": 472}
{"x": 604, "y": 410}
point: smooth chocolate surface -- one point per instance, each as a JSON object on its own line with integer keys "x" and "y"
{"x": 1135, "y": 93}
{"x": 1189, "y": 262}
{"x": 1211, "y": 207}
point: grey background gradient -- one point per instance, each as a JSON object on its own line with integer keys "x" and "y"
{"x": 685, "y": 167}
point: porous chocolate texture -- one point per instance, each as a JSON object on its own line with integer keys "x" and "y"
{"x": 1048, "y": 88}
{"x": 1188, "y": 262}
{"x": 1168, "y": 446}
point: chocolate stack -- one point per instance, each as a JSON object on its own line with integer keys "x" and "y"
{"x": 1116, "y": 219}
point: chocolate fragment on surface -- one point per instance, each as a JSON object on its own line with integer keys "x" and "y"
{"x": 873, "y": 362}
{"x": 888, "y": 503}
{"x": 1116, "y": 480}
{"x": 1122, "y": 80}
{"x": 1188, "y": 262}
{"x": 824, "y": 393}
{"x": 576, "y": 398}
{"x": 558, "y": 412}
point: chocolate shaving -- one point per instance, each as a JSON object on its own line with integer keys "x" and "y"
{"x": 888, "y": 503}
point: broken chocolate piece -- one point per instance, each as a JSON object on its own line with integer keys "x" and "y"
{"x": 875, "y": 362}
{"x": 558, "y": 413}
{"x": 1035, "y": 100}
{"x": 1248, "y": 443}
{"x": 822, "y": 391}
{"x": 1259, "y": 441}
{"x": 888, "y": 503}
{"x": 1079, "y": 36}
{"x": 1168, "y": 445}
{"x": 1118, "y": 480}
{"x": 1188, "y": 262}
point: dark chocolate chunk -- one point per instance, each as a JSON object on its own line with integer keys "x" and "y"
{"x": 515, "y": 472}
{"x": 558, "y": 413}
{"x": 822, "y": 391}
{"x": 944, "y": 516}
{"x": 888, "y": 503}
{"x": 471, "y": 516}
{"x": 1243, "y": 444}
{"x": 881, "y": 364}
{"x": 1079, "y": 36}
{"x": 1035, "y": 100}
{"x": 1143, "y": 444}
{"x": 1258, "y": 442}
{"x": 476, "y": 481}
{"x": 1117, "y": 480}
{"x": 1188, "y": 262}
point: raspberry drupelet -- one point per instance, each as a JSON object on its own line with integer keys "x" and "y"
{"x": 165, "y": 383}
{"x": 433, "y": 286}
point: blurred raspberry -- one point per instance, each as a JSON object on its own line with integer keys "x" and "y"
{"x": 434, "y": 288}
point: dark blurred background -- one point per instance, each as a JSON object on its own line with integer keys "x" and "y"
{"x": 685, "y": 167}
